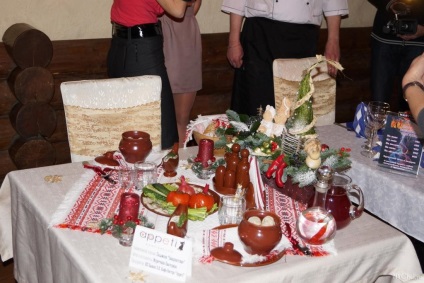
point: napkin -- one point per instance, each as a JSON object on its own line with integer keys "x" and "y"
{"x": 201, "y": 123}
{"x": 207, "y": 240}
{"x": 359, "y": 123}
{"x": 256, "y": 180}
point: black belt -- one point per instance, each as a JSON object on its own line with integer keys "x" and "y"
{"x": 138, "y": 31}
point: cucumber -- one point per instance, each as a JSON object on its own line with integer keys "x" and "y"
{"x": 153, "y": 193}
{"x": 161, "y": 188}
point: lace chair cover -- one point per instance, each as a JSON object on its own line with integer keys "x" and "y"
{"x": 97, "y": 112}
{"x": 287, "y": 76}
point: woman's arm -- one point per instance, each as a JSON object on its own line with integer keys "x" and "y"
{"x": 414, "y": 94}
{"x": 196, "y": 6}
{"x": 175, "y": 8}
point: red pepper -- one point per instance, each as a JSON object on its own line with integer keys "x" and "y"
{"x": 274, "y": 166}
{"x": 279, "y": 174}
{"x": 315, "y": 238}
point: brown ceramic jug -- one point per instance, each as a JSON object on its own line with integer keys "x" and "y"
{"x": 170, "y": 162}
{"x": 135, "y": 146}
{"x": 338, "y": 201}
{"x": 177, "y": 223}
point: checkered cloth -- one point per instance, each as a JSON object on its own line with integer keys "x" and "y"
{"x": 359, "y": 123}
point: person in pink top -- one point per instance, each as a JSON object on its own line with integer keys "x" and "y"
{"x": 137, "y": 49}
{"x": 183, "y": 59}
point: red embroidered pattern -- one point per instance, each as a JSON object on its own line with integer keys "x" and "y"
{"x": 99, "y": 200}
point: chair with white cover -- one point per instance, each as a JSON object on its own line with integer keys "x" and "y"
{"x": 97, "y": 112}
{"x": 287, "y": 76}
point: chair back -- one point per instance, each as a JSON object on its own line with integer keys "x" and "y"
{"x": 287, "y": 76}
{"x": 97, "y": 112}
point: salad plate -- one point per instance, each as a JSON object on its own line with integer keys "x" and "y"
{"x": 164, "y": 208}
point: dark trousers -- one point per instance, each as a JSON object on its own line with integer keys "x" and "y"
{"x": 144, "y": 56}
{"x": 263, "y": 41}
{"x": 389, "y": 63}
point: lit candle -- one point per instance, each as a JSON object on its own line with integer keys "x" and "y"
{"x": 205, "y": 152}
{"x": 128, "y": 207}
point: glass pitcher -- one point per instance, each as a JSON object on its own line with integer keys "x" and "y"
{"x": 338, "y": 200}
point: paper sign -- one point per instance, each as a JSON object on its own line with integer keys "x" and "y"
{"x": 402, "y": 144}
{"x": 160, "y": 253}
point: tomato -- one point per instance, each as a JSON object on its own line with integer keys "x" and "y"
{"x": 177, "y": 197}
{"x": 200, "y": 200}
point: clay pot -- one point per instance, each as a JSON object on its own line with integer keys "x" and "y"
{"x": 258, "y": 239}
{"x": 135, "y": 146}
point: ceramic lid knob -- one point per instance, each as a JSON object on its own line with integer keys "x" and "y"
{"x": 227, "y": 253}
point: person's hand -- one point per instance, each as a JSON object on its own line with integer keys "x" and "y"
{"x": 332, "y": 52}
{"x": 415, "y": 71}
{"x": 235, "y": 55}
{"x": 419, "y": 33}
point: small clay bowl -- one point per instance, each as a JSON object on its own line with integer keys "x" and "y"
{"x": 258, "y": 239}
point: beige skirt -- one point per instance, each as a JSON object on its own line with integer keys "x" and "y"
{"x": 183, "y": 52}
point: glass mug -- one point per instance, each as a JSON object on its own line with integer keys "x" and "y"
{"x": 231, "y": 210}
{"x": 126, "y": 178}
{"x": 146, "y": 173}
{"x": 338, "y": 201}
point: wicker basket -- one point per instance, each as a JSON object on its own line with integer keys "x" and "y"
{"x": 217, "y": 151}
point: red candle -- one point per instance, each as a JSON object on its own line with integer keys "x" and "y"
{"x": 205, "y": 152}
{"x": 128, "y": 207}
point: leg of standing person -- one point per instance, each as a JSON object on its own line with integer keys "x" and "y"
{"x": 263, "y": 41}
{"x": 183, "y": 105}
{"x": 384, "y": 64}
{"x": 138, "y": 57}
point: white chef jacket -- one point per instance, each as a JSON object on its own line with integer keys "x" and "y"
{"x": 292, "y": 11}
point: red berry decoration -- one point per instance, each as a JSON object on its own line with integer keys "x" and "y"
{"x": 324, "y": 147}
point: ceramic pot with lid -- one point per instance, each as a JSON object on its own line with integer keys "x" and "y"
{"x": 260, "y": 238}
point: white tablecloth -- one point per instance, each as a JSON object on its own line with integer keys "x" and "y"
{"x": 395, "y": 198}
{"x": 367, "y": 249}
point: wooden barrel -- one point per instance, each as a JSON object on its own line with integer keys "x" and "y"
{"x": 31, "y": 84}
{"x": 33, "y": 119}
{"x": 7, "y": 133}
{"x": 32, "y": 152}
{"x": 7, "y": 99}
{"x": 27, "y": 46}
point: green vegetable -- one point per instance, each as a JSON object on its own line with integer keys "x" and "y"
{"x": 158, "y": 192}
{"x": 162, "y": 188}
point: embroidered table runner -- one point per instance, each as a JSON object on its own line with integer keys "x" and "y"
{"x": 93, "y": 199}
{"x": 97, "y": 200}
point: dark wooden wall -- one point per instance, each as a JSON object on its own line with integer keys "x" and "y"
{"x": 86, "y": 59}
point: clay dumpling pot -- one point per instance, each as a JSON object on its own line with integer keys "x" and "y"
{"x": 135, "y": 146}
{"x": 259, "y": 239}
